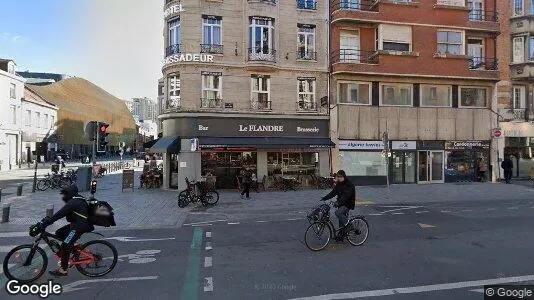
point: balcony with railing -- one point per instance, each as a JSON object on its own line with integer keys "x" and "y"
{"x": 211, "y": 103}
{"x": 516, "y": 114}
{"x": 260, "y": 105}
{"x": 306, "y": 106}
{"x": 211, "y": 48}
{"x": 303, "y": 54}
{"x": 307, "y": 4}
{"x": 262, "y": 54}
{"x": 354, "y": 5}
{"x": 483, "y": 63}
{"x": 174, "y": 103}
{"x": 172, "y": 49}
{"x": 353, "y": 56}
{"x": 264, "y": 1}
{"x": 483, "y": 15}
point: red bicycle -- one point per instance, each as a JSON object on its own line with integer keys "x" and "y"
{"x": 27, "y": 263}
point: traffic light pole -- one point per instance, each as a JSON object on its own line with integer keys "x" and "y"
{"x": 34, "y": 177}
{"x": 93, "y": 159}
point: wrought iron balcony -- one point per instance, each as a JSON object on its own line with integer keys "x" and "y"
{"x": 266, "y": 1}
{"x": 260, "y": 105}
{"x": 174, "y": 103}
{"x": 514, "y": 114}
{"x": 483, "y": 15}
{"x": 354, "y": 56}
{"x": 172, "y": 49}
{"x": 306, "y": 4}
{"x": 361, "y": 5}
{"x": 261, "y": 54}
{"x": 306, "y": 106}
{"x": 215, "y": 103}
{"x": 483, "y": 63}
{"x": 211, "y": 48}
{"x": 306, "y": 54}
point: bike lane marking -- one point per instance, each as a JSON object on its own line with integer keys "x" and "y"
{"x": 71, "y": 287}
{"x": 191, "y": 281}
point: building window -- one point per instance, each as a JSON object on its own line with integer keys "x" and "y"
{"x": 518, "y": 9}
{"x": 37, "y": 119}
{"x": 476, "y": 10}
{"x": 260, "y": 87}
{"x": 306, "y": 42}
{"x": 173, "y": 91}
{"x": 394, "y": 37}
{"x": 13, "y": 114}
{"x": 175, "y": 38}
{"x": 363, "y": 163}
{"x": 450, "y": 42}
{"x": 52, "y": 121}
{"x": 306, "y": 94}
{"x": 436, "y": 95}
{"x": 211, "y": 90}
{"x": 350, "y": 4}
{"x": 518, "y": 55}
{"x": 396, "y": 94}
{"x": 11, "y": 68}
{"x": 45, "y": 121}
{"x": 531, "y": 50}
{"x": 355, "y": 93}
{"x": 473, "y": 97}
{"x": 212, "y": 35}
{"x": 306, "y": 4}
{"x": 519, "y": 97}
{"x": 261, "y": 39}
{"x": 475, "y": 50}
{"x": 451, "y": 2}
{"x": 28, "y": 118}
{"x": 13, "y": 91}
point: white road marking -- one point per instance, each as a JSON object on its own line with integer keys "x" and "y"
{"x": 420, "y": 289}
{"x": 477, "y": 290}
{"x": 5, "y": 249}
{"x": 491, "y": 208}
{"x": 208, "y": 246}
{"x": 74, "y": 285}
{"x": 208, "y": 284}
{"x": 205, "y": 222}
{"x": 13, "y": 234}
{"x": 208, "y": 234}
{"x": 446, "y": 211}
{"x": 514, "y": 207}
{"x": 467, "y": 210}
{"x": 233, "y": 223}
{"x": 398, "y": 213}
{"x": 399, "y": 208}
{"x": 198, "y": 225}
{"x": 133, "y": 239}
{"x": 294, "y": 219}
{"x": 208, "y": 261}
{"x": 262, "y": 221}
{"x": 375, "y": 214}
{"x": 422, "y": 212}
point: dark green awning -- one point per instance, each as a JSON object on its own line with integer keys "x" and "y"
{"x": 167, "y": 144}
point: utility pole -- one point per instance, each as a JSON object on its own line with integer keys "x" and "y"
{"x": 385, "y": 140}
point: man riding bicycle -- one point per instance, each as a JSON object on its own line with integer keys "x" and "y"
{"x": 346, "y": 200}
{"x": 76, "y": 211}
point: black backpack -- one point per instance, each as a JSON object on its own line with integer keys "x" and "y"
{"x": 100, "y": 213}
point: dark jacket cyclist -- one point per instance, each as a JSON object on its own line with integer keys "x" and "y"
{"x": 76, "y": 212}
{"x": 346, "y": 198}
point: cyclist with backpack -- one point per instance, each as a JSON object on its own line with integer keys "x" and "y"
{"x": 346, "y": 200}
{"x": 76, "y": 211}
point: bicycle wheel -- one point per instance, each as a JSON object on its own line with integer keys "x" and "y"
{"x": 317, "y": 236}
{"x": 183, "y": 199}
{"x": 43, "y": 184}
{"x": 359, "y": 231}
{"x": 14, "y": 267}
{"x": 211, "y": 198}
{"x": 102, "y": 254}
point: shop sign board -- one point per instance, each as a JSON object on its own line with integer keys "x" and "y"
{"x": 247, "y": 127}
{"x": 361, "y": 145}
{"x": 178, "y": 8}
{"x": 403, "y": 145}
{"x": 466, "y": 145}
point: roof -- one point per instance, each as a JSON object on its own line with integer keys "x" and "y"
{"x": 43, "y": 76}
{"x": 80, "y": 101}
{"x": 32, "y": 97}
{"x": 5, "y": 60}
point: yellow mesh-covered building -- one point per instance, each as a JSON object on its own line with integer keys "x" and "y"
{"x": 80, "y": 101}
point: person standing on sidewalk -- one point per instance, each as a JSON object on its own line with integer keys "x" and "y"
{"x": 508, "y": 165}
{"x": 247, "y": 181}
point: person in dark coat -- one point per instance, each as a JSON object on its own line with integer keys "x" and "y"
{"x": 247, "y": 181}
{"x": 76, "y": 211}
{"x": 508, "y": 165}
{"x": 346, "y": 199}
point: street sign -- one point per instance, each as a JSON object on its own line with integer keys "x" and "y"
{"x": 497, "y": 133}
{"x": 128, "y": 179}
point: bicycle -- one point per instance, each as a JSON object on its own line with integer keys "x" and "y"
{"x": 53, "y": 181}
{"x": 206, "y": 195}
{"x": 27, "y": 263}
{"x": 322, "y": 229}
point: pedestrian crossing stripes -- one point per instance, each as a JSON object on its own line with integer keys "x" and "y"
{"x": 13, "y": 234}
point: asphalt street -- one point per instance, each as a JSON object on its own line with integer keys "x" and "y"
{"x": 435, "y": 250}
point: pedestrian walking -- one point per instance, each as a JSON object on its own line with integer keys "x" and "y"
{"x": 247, "y": 181}
{"x": 482, "y": 169}
{"x": 508, "y": 165}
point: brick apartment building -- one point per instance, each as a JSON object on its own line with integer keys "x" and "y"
{"x": 516, "y": 52}
{"x": 245, "y": 85}
{"x": 423, "y": 71}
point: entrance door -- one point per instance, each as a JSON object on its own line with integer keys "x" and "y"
{"x": 431, "y": 167}
{"x": 349, "y": 47}
{"x": 475, "y": 50}
{"x": 12, "y": 146}
{"x": 403, "y": 167}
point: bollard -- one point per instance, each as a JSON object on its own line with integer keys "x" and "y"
{"x": 19, "y": 189}
{"x": 50, "y": 210}
{"x": 0, "y": 195}
{"x": 5, "y": 212}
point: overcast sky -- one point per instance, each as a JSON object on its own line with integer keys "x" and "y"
{"x": 116, "y": 44}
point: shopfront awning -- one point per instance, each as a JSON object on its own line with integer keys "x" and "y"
{"x": 168, "y": 144}
{"x": 264, "y": 142}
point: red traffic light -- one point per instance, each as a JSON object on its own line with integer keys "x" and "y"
{"x": 103, "y": 127}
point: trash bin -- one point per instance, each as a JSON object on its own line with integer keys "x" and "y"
{"x": 85, "y": 174}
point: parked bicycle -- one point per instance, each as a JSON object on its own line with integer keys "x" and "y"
{"x": 27, "y": 263}
{"x": 321, "y": 229}
{"x": 198, "y": 192}
{"x": 54, "y": 181}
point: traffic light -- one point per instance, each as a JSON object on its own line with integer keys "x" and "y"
{"x": 93, "y": 187}
{"x": 41, "y": 148}
{"x": 102, "y": 134}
